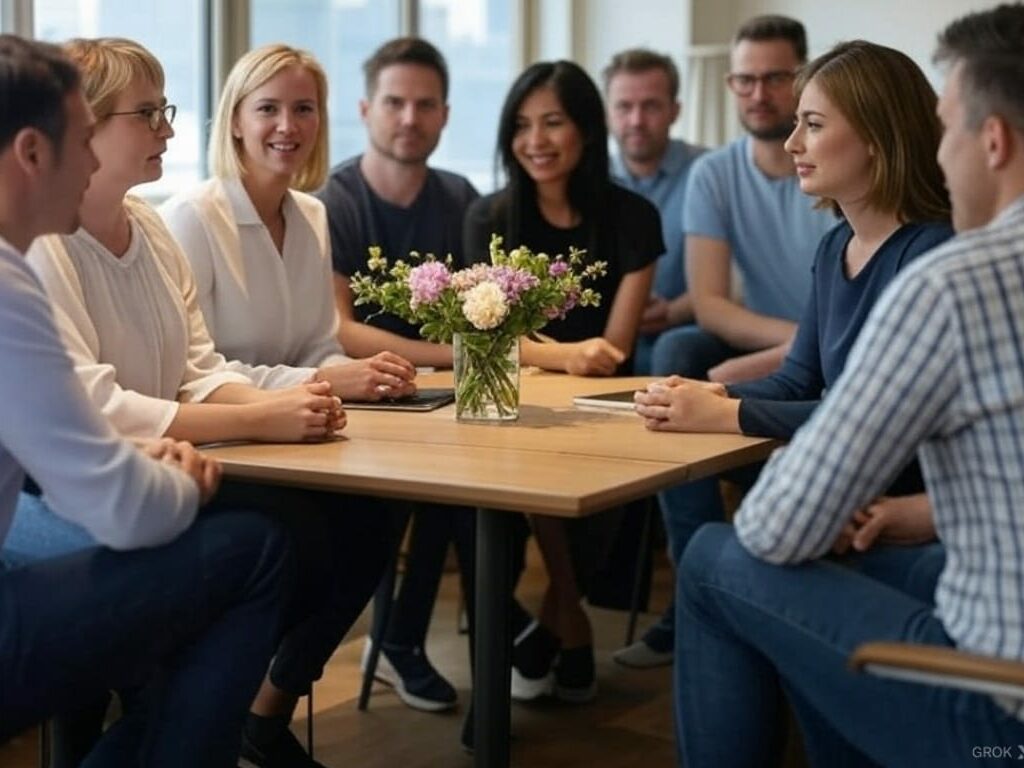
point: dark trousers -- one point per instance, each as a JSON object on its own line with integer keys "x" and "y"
{"x": 191, "y": 625}
{"x": 342, "y": 545}
{"x": 434, "y": 526}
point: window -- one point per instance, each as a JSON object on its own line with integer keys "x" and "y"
{"x": 173, "y": 32}
{"x": 476, "y": 38}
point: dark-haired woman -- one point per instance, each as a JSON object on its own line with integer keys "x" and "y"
{"x": 553, "y": 146}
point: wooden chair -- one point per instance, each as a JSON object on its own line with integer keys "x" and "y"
{"x": 936, "y": 665}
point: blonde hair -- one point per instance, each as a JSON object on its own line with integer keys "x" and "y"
{"x": 250, "y": 72}
{"x": 890, "y": 104}
{"x": 108, "y": 66}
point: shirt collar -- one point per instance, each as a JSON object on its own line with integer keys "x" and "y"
{"x": 242, "y": 207}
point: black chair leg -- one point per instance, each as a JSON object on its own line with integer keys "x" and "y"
{"x": 44, "y": 744}
{"x": 383, "y": 601}
{"x": 309, "y": 723}
{"x": 641, "y": 564}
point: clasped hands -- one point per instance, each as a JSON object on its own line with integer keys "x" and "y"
{"x": 676, "y": 404}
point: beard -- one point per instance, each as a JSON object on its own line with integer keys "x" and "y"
{"x": 386, "y": 148}
{"x": 776, "y": 131}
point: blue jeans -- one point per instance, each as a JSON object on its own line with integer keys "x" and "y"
{"x": 191, "y": 625}
{"x": 747, "y": 631}
{"x": 689, "y": 351}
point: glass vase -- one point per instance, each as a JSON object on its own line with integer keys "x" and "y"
{"x": 486, "y": 377}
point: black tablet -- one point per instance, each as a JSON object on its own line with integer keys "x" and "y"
{"x": 423, "y": 400}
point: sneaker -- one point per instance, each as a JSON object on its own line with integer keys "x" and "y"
{"x": 410, "y": 673}
{"x": 575, "y": 676}
{"x": 284, "y": 752}
{"x": 640, "y": 655}
{"x": 533, "y": 654}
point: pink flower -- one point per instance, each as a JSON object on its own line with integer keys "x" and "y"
{"x": 558, "y": 268}
{"x": 427, "y": 282}
{"x": 513, "y": 282}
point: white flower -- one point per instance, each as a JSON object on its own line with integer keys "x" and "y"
{"x": 484, "y": 305}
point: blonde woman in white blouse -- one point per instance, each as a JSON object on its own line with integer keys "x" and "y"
{"x": 127, "y": 308}
{"x": 259, "y": 245}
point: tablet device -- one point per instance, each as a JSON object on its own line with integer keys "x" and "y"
{"x": 423, "y": 400}
{"x": 618, "y": 401}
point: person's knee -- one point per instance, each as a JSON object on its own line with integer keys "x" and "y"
{"x": 250, "y": 540}
{"x": 683, "y": 351}
{"x": 703, "y": 557}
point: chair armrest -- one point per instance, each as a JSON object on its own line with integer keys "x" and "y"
{"x": 936, "y": 665}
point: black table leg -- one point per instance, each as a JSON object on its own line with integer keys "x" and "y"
{"x": 491, "y": 687}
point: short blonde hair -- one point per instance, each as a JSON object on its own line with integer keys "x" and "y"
{"x": 250, "y": 72}
{"x": 108, "y": 66}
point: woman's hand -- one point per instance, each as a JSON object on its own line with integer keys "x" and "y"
{"x": 593, "y": 357}
{"x": 903, "y": 520}
{"x": 205, "y": 471}
{"x": 373, "y": 378}
{"x": 305, "y": 413}
{"x": 685, "y": 405}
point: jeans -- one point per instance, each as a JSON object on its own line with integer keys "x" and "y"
{"x": 688, "y": 350}
{"x": 749, "y": 632}
{"x": 191, "y": 625}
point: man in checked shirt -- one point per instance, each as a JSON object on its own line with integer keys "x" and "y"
{"x": 938, "y": 370}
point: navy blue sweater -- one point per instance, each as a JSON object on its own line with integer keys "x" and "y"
{"x": 777, "y": 405}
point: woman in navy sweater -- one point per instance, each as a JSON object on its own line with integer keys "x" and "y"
{"x": 865, "y": 143}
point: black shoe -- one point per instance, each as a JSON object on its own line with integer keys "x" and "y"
{"x": 284, "y": 752}
{"x": 413, "y": 677}
{"x": 575, "y": 676}
{"x": 533, "y": 653}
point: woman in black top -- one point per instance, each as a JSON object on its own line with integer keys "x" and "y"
{"x": 553, "y": 145}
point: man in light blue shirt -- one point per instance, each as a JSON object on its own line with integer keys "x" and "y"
{"x": 744, "y": 211}
{"x": 642, "y": 93}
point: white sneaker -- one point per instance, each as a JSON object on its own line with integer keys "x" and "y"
{"x": 640, "y": 655}
{"x": 422, "y": 686}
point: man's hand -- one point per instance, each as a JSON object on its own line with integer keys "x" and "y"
{"x": 204, "y": 471}
{"x": 903, "y": 520}
{"x": 385, "y": 375}
{"x": 655, "y": 316}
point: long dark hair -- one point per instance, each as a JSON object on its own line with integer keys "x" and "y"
{"x": 589, "y": 180}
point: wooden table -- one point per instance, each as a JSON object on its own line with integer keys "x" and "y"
{"x": 555, "y": 460}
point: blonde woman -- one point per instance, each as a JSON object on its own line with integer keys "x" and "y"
{"x": 257, "y": 243}
{"x": 126, "y": 306}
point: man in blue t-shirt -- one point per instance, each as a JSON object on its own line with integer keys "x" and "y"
{"x": 642, "y": 92}
{"x": 744, "y": 210}
{"x": 388, "y": 196}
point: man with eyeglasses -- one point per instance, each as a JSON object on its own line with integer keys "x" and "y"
{"x": 743, "y": 211}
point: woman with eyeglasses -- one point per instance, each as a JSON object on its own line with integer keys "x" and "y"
{"x": 128, "y": 313}
{"x": 553, "y": 145}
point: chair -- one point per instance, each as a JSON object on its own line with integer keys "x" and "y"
{"x": 941, "y": 666}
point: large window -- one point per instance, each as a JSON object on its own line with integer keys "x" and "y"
{"x": 173, "y": 32}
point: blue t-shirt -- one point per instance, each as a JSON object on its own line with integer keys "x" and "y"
{"x": 357, "y": 218}
{"x": 777, "y": 405}
{"x": 772, "y": 228}
{"x": 665, "y": 188}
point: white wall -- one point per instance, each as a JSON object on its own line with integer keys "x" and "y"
{"x": 908, "y": 25}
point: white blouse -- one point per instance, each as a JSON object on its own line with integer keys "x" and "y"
{"x": 49, "y": 428}
{"x": 261, "y": 306}
{"x": 133, "y": 327}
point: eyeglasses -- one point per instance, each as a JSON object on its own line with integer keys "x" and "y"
{"x": 155, "y": 116}
{"x": 743, "y": 84}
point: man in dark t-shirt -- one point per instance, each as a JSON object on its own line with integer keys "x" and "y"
{"x": 389, "y": 197}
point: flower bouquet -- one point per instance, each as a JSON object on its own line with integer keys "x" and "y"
{"x": 482, "y": 310}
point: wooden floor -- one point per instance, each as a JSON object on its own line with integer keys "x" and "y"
{"x": 628, "y": 725}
